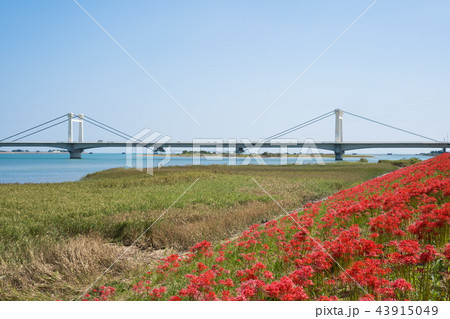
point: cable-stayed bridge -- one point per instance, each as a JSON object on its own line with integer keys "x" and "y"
{"x": 338, "y": 146}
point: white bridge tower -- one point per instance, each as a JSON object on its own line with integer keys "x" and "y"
{"x": 72, "y": 119}
{"x": 338, "y": 135}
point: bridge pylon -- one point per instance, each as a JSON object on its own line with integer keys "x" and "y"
{"x": 338, "y": 134}
{"x": 70, "y": 127}
{"x": 70, "y": 119}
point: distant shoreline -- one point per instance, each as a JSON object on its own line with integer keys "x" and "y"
{"x": 246, "y": 155}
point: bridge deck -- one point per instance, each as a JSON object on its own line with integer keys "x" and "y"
{"x": 226, "y": 144}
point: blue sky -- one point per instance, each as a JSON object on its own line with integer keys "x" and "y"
{"x": 225, "y": 62}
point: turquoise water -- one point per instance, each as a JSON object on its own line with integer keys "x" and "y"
{"x": 57, "y": 167}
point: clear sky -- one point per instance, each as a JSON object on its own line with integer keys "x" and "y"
{"x": 225, "y": 62}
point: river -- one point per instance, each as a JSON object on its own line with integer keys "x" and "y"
{"x": 56, "y": 167}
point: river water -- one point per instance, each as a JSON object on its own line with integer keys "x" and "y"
{"x": 57, "y": 167}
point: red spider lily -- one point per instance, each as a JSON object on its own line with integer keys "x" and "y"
{"x": 302, "y": 275}
{"x": 267, "y": 274}
{"x": 285, "y": 289}
{"x": 203, "y": 248}
{"x": 201, "y": 267}
{"x": 250, "y": 289}
{"x": 402, "y": 285}
{"x": 174, "y": 298}
{"x": 226, "y": 282}
{"x": 428, "y": 254}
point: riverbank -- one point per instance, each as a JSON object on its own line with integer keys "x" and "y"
{"x": 57, "y": 167}
{"x": 57, "y": 238}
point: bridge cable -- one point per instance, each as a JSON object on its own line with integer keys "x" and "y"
{"x": 33, "y": 128}
{"x": 122, "y": 133}
{"x": 43, "y": 129}
{"x": 393, "y": 127}
{"x": 300, "y": 126}
{"x": 111, "y": 131}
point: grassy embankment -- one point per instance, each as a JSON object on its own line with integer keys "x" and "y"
{"x": 384, "y": 239}
{"x": 55, "y": 239}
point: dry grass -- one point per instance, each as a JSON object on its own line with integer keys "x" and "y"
{"x": 69, "y": 267}
{"x": 185, "y": 230}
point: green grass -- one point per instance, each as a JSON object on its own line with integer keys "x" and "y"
{"x": 117, "y": 205}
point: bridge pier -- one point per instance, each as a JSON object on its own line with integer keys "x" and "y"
{"x": 338, "y": 152}
{"x": 75, "y": 154}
